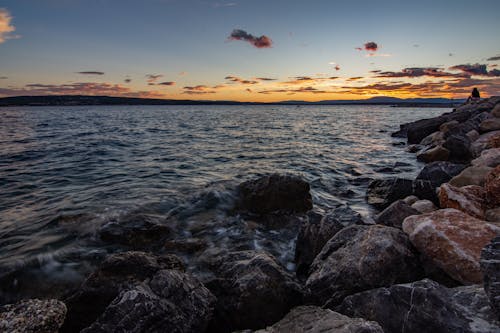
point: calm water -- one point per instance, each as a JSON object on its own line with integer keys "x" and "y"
{"x": 65, "y": 171}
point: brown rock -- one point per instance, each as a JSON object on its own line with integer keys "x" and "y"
{"x": 448, "y": 125}
{"x": 424, "y": 206}
{"x": 452, "y": 240}
{"x": 489, "y": 157}
{"x": 493, "y": 215}
{"x": 492, "y": 187}
{"x": 434, "y": 139}
{"x": 485, "y": 141}
{"x": 472, "y": 135}
{"x": 496, "y": 111}
{"x": 494, "y": 141}
{"x": 474, "y": 175}
{"x": 32, "y": 316}
{"x": 469, "y": 199}
{"x": 490, "y": 124}
{"x": 437, "y": 153}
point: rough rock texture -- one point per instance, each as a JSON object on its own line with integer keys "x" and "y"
{"x": 411, "y": 199}
{"x": 424, "y": 307}
{"x": 32, "y": 316}
{"x": 424, "y": 206}
{"x": 171, "y": 301}
{"x": 483, "y": 142}
{"x": 382, "y": 192}
{"x": 432, "y": 176}
{"x": 452, "y": 240}
{"x": 313, "y": 319}
{"x": 186, "y": 245}
{"x": 469, "y": 199}
{"x": 252, "y": 290}
{"x": 317, "y": 230}
{"x": 448, "y": 126}
{"x": 121, "y": 271}
{"x": 474, "y": 175}
{"x": 135, "y": 230}
{"x": 267, "y": 194}
{"x": 496, "y": 111}
{"x": 359, "y": 258}
{"x": 420, "y": 129}
{"x": 490, "y": 265}
{"x": 433, "y": 139}
{"x": 489, "y": 158}
{"x": 493, "y": 215}
{"x": 459, "y": 148}
{"x": 472, "y": 135}
{"x": 394, "y": 215}
{"x": 492, "y": 188}
{"x": 433, "y": 154}
{"x": 488, "y": 125}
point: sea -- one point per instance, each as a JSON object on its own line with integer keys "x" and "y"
{"x": 66, "y": 171}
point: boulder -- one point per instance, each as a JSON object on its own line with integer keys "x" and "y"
{"x": 490, "y": 265}
{"x": 493, "y": 215}
{"x": 317, "y": 230}
{"x": 433, "y": 154}
{"x": 252, "y": 290}
{"x": 411, "y": 199}
{"x": 121, "y": 271}
{"x": 489, "y": 158}
{"x": 359, "y": 258}
{"x": 445, "y": 127}
{"x": 473, "y": 175}
{"x": 459, "y": 148}
{"x": 492, "y": 188}
{"x": 469, "y": 199}
{"x": 137, "y": 231}
{"x": 313, "y": 319}
{"x": 424, "y": 206}
{"x": 32, "y": 316}
{"x": 285, "y": 193}
{"x": 424, "y": 307}
{"x": 496, "y": 111}
{"x": 382, "y": 192}
{"x": 452, "y": 240}
{"x": 418, "y": 130}
{"x": 472, "y": 135}
{"x": 171, "y": 301}
{"x": 186, "y": 245}
{"x": 483, "y": 142}
{"x": 394, "y": 215}
{"x": 433, "y": 139}
{"x": 488, "y": 125}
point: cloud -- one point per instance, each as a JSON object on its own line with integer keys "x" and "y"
{"x": 265, "y": 79}
{"x": 476, "y": 70}
{"x": 6, "y": 27}
{"x": 198, "y": 90}
{"x": 419, "y": 72}
{"x": 3, "y": 77}
{"x": 336, "y": 66}
{"x": 259, "y": 42}
{"x": 223, "y": 4}
{"x": 240, "y": 80}
{"x": 127, "y": 80}
{"x": 371, "y": 46}
{"x": 152, "y": 78}
{"x": 166, "y": 83}
{"x": 294, "y": 91}
{"x": 90, "y": 73}
{"x": 495, "y": 58}
{"x": 355, "y": 78}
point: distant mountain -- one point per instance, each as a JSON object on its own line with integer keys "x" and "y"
{"x": 68, "y": 100}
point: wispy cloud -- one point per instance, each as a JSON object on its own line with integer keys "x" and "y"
{"x": 240, "y": 80}
{"x": 419, "y": 72}
{"x": 495, "y": 58}
{"x": 152, "y": 78}
{"x": 90, "y": 73}
{"x": 3, "y": 77}
{"x": 6, "y": 27}
{"x": 259, "y": 42}
{"x": 198, "y": 90}
{"x": 476, "y": 70}
{"x": 166, "y": 83}
{"x": 311, "y": 90}
{"x": 265, "y": 79}
{"x": 223, "y": 4}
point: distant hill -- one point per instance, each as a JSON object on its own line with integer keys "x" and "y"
{"x": 68, "y": 100}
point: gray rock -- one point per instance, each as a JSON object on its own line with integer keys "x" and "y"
{"x": 433, "y": 154}
{"x": 489, "y": 158}
{"x": 313, "y": 319}
{"x": 171, "y": 301}
{"x": 382, "y": 192}
{"x": 411, "y": 199}
{"x": 472, "y": 135}
{"x": 459, "y": 148}
{"x": 490, "y": 266}
{"x": 473, "y": 175}
{"x": 424, "y": 307}
{"x": 32, "y": 316}
{"x": 394, "y": 215}
{"x": 483, "y": 142}
{"x": 488, "y": 125}
{"x": 432, "y": 176}
{"x": 424, "y": 206}
{"x": 360, "y": 258}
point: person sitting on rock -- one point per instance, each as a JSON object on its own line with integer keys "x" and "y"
{"x": 474, "y": 96}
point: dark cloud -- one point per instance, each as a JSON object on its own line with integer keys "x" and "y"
{"x": 355, "y": 78}
{"x": 91, "y": 73}
{"x": 3, "y": 77}
{"x": 166, "y": 83}
{"x": 127, "y": 80}
{"x": 495, "y": 58}
{"x": 476, "y": 70}
{"x": 259, "y": 42}
{"x": 337, "y": 67}
{"x": 419, "y": 72}
{"x": 371, "y": 46}
{"x": 198, "y": 90}
{"x": 152, "y": 78}
{"x": 240, "y": 80}
{"x": 265, "y": 79}
{"x": 294, "y": 91}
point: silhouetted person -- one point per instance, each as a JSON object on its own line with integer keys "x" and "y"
{"x": 474, "y": 96}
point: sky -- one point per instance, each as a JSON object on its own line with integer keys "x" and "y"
{"x": 250, "y": 50}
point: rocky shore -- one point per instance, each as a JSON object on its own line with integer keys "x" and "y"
{"x": 428, "y": 261}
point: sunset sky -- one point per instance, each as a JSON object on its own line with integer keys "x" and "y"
{"x": 250, "y": 50}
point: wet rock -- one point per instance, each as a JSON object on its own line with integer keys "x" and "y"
{"x": 472, "y": 135}
{"x": 490, "y": 265}
{"x": 411, "y": 199}
{"x": 489, "y": 158}
{"x": 313, "y": 319}
{"x": 424, "y": 307}
{"x": 121, "y": 271}
{"x": 360, "y": 258}
{"x": 171, "y": 301}
{"x": 135, "y": 230}
{"x": 452, "y": 240}
{"x": 32, "y": 316}
{"x": 424, "y": 206}
{"x": 317, "y": 230}
{"x": 252, "y": 290}
{"x": 488, "y": 125}
{"x": 437, "y": 153}
{"x": 474, "y": 175}
{"x": 267, "y": 194}
{"x": 492, "y": 187}
{"x": 394, "y": 215}
{"x": 418, "y": 130}
{"x": 459, "y": 148}
{"x": 414, "y": 148}
{"x": 432, "y": 176}
{"x": 188, "y": 245}
{"x": 468, "y": 199}
{"x": 382, "y": 192}
{"x": 483, "y": 142}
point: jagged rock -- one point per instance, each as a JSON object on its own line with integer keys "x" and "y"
{"x": 489, "y": 158}
{"x": 411, "y": 199}
{"x": 432, "y": 176}
{"x": 32, "y": 316}
{"x": 135, "y": 230}
{"x": 382, "y": 192}
{"x": 493, "y": 215}
{"x": 187, "y": 245}
{"x": 471, "y": 124}
{"x": 171, "y": 301}
{"x": 490, "y": 265}
{"x": 492, "y": 187}
{"x": 121, "y": 271}
{"x": 483, "y": 142}
{"x": 418, "y": 130}
{"x": 488, "y": 125}
{"x": 469, "y": 199}
{"x": 445, "y": 127}
{"x": 433, "y": 154}
{"x": 394, "y": 215}
{"x": 452, "y": 240}
{"x": 459, "y": 148}
{"x": 267, "y": 194}
{"x": 433, "y": 139}
{"x": 424, "y": 307}
{"x": 317, "y": 230}
{"x": 313, "y": 319}
{"x": 424, "y": 206}
{"x": 359, "y": 258}
{"x": 472, "y": 135}
{"x": 252, "y": 291}
{"x": 473, "y": 175}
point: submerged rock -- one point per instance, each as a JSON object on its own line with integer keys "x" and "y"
{"x": 490, "y": 265}
{"x": 394, "y": 215}
{"x": 32, "y": 316}
{"x": 469, "y": 199}
{"x": 382, "y": 192}
{"x": 272, "y": 193}
{"x": 452, "y": 240}
{"x": 424, "y": 307}
{"x": 171, "y": 301}
{"x": 313, "y": 319}
{"x": 359, "y": 258}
